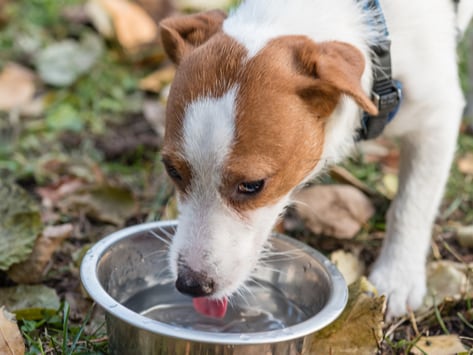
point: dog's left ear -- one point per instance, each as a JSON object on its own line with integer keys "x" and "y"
{"x": 335, "y": 66}
{"x": 181, "y": 34}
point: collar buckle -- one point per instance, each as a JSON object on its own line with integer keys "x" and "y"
{"x": 387, "y": 96}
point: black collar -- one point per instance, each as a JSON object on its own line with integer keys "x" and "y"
{"x": 386, "y": 92}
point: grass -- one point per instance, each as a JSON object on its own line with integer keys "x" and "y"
{"x": 57, "y": 335}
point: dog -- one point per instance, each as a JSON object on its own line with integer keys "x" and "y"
{"x": 266, "y": 98}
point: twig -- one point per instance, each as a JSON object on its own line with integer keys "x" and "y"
{"x": 453, "y": 252}
{"x": 463, "y": 319}
{"x": 394, "y": 326}
{"x": 414, "y": 323}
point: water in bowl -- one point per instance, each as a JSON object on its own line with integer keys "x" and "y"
{"x": 263, "y": 308}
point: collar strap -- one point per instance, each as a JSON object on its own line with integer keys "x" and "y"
{"x": 386, "y": 92}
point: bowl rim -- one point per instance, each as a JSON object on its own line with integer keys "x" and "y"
{"x": 91, "y": 283}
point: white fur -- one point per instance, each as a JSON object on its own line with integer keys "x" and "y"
{"x": 211, "y": 237}
{"x": 214, "y": 238}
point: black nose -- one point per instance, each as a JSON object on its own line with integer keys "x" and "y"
{"x": 192, "y": 283}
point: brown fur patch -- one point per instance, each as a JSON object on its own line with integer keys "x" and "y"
{"x": 279, "y": 125}
{"x": 285, "y": 95}
{"x": 208, "y": 71}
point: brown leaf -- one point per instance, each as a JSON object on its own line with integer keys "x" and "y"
{"x": 439, "y": 345}
{"x": 105, "y": 203}
{"x": 158, "y": 79}
{"x": 465, "y": 236}
{"x": 3, "y": 14}
{"x": 358, "y": 330}
{"x": 11, "y": 341}
{"x": 335, "y": 210}
{"x": 157, "y": 9}
{"x": 17, "y": 86}
{"x": 32, "y": 270}
{"x": 133, "y": 26}
{"x": 465, "y": 164}
{"x": 52, "y": 194}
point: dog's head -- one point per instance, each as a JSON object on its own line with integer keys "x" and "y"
{"x": 241, "y": 133}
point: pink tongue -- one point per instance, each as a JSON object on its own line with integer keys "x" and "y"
{"x": 209, "y": 307}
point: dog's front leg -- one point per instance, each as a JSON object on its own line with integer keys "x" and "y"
{"x": 400, "y": 270}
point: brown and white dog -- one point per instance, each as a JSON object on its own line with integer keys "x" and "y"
{"x": 267, "y": 97}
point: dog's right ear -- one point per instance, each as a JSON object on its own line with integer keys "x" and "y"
{"x": 181, "y": 34}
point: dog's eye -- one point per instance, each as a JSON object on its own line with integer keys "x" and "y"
{"x": 252, "y": 187}
{"x": 173, "y": 173}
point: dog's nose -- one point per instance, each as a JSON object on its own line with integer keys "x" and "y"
{"x": 192, "y": 283}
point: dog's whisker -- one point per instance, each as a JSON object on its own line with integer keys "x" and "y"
{"x": 299, "y": 203}
{"x": 168, "y": 233}
{"x": 243, "y": 291}
{"x": 156, "y": 253}
{"x": 160, "y": 237}
{"x": 267, "y": 268}
{"x": 260, "y": 285}
{"x": 271, "y": 258}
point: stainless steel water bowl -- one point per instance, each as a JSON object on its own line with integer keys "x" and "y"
{"x": 294, "y": 294}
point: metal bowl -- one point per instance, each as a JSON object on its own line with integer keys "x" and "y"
{"x": 127, "y": 274}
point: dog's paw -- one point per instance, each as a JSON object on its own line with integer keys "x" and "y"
{"x": 403, "y": 284}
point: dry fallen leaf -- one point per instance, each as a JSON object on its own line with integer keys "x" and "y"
{"x": 17, "y": 86}
{"x": 54, "y": 193}
{"x": 32, "y": 270}
{"x": 105, "y": 203}
{"x": 62, "y": 63}
{"x": 30, "y": 302}
{"x": 157, "y": 9}
{"x": 99, "y": 18}
{"x": 447, "y": 280}
{"x": 133, "y": 26}
{"x": 465, "y": 236}
{"x": 358, "y": 330}
{"x": 335, "y": 210}
{"x": 158, "y": 79}
{"x": 351, "y": 267}
{"x": 438, "y": 345}
{"x": 200, "y": 5}
{"x": 11, "y": 341}
{"x": 389, "y": 185}
{"x": 465, "y": 164}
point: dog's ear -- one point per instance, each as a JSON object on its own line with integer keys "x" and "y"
{"x": 335, "y": 68}
{"x": 181, "y": 34}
